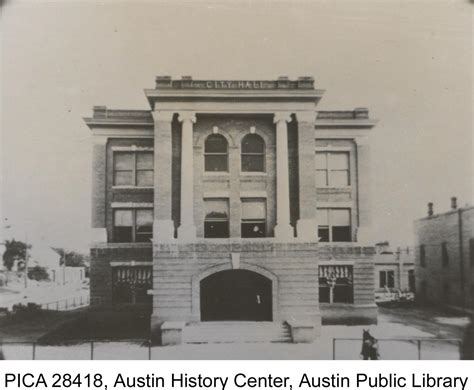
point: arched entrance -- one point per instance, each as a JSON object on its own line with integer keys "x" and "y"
{"x": 236, "y": 295}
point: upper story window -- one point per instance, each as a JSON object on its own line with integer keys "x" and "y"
{"x": 422, "y": 255}
{"x": 254, "y": 216}
{"x": 253, "y": 153}
{"x": 133, "y": 225}
{"x": 216, "y": 221}
{"x": 133, "y": 169}
{"x": 216, "y": 154}
{"x": 471, "y": 252}
{"x": 334, "y": 225}
{"x": 444, "y": 254}
{"x": 332, "y": 169}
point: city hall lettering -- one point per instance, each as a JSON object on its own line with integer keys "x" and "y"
{"x": 233, "y": 210}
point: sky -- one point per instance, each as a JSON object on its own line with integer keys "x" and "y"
{"x": 409, "y": 62}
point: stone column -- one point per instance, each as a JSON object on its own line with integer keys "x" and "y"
{"x": 99, "y": 190}
{"x": 187, "y": 228}
{"x": 364, "y": 184}
{"x": 307, "y": 227}
{"x": 283, "y": 229}
{"x": 163, "y": 226}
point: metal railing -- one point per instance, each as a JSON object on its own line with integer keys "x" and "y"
{"x": 67, "y": 303}
{"x": 76, "y": 349}
{"x": 408, "y": 349}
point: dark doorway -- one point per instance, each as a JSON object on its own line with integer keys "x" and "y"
{"x": 236, "y": 295}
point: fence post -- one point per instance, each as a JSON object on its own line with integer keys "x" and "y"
{"x": 149, "y": 349}
{"x": 92, "y": 350}
{"x": 419, "y": 349}
{"x": 333, "y": 349}
{"x": 34, "y": 350}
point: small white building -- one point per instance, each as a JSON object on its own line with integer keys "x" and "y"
{"x": 394, "y": 269}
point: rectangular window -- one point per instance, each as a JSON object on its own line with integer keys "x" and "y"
{"x": 471, "y": 251}
{"x": 131, "y": 284}
{"x": 411, "y": 280}
{"x": 422, "y": 256}
{"x": 387, "y": 279}
{"x": 444, "y": 254}
{"x": 334, "y": 225}
{"x": 332, "y": 169}
{"x": 133, "y": 225}
{"x": 216, "y": 222}
{"x": 335, "y": 284}
{"x": 254, "y": 216}
{"x": 133, "y": 169}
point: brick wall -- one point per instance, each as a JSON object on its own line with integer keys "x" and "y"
{"x": 101, "y": 273}
{"x": 438, "y": 283}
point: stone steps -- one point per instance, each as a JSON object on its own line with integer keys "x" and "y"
{"x": 236, "y": 332}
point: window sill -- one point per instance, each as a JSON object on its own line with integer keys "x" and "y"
{"x": 217, "y": 173}
{"x": 333, "y": 188}
{"x": 132, "y": 188}
{"x": 253, "y": 174}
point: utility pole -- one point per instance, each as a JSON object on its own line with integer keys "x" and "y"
{"x": 27, "y": 255}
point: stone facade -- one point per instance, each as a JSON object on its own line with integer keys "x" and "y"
{"x": 445, "y": 259}
{"x": 180, "y": 258}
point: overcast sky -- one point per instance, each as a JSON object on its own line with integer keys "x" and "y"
{"x": 409, "y": 62}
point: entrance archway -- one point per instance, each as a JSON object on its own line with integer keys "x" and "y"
{"x": 236, "y": 295}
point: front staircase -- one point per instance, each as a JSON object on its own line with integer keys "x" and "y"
{"x": 236, "y": 332}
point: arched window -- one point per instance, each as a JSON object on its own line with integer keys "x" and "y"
{"x": 253, "y": 153}
{"x": 216, "y": 154}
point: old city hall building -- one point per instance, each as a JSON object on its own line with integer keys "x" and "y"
{"x": 232, "y": 205}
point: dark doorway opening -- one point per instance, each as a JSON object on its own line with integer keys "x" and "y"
{"x": 236, "y": 295}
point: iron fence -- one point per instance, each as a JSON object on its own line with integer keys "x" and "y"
{"x": 396, "y": 349}
{"x": 67, "y": 303}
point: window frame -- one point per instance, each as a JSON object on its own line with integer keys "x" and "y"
{"x": 250, "y": 154}
{"x": 255, "y": 220}
{"x": 134, "y": 169}
{"x": 330, "y": 225}
{"x": 328, "y": 170}
{"x": 344, "y": 282}
{"x": 210, "y": 154}
{"x": 217, "y": 220}
{"x": 134, "y": 224}
{"x": 387, "y": 278}
{"x": 422, "y": 253}
{"x": 444, "y": 255}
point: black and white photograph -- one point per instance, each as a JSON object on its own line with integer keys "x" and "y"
{"x": 237, "y": 180}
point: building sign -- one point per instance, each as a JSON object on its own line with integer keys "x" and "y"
{"x": 189, "y": 83}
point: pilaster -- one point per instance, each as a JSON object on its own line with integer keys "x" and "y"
{"x": 283, "y": 229}
{"x": 306, "y": 226}
{"x": 364, "y": 233}
{"x": 163, "y": 226}
{"x": 99, "y": 190}
{"x": 187, "y": 228}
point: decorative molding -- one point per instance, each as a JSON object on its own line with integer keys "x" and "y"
{"x": 187, "y": 116}
{"x": 132, "y": 148}
{"x": 281, "y": 116}
{"x": 235, "y": 260}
